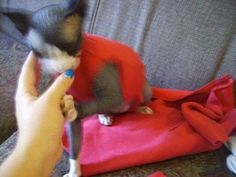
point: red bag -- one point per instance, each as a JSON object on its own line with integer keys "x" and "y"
{"x": 184, "y": 122}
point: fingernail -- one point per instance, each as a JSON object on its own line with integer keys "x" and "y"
{"x": 69, "y": 73}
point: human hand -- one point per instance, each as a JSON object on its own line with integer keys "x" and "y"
{"x": 40, "y": 118}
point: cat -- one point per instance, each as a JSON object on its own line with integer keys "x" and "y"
{"x": 55, "y": 34}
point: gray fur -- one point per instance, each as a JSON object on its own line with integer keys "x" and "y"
{"x": 107, "y": 89}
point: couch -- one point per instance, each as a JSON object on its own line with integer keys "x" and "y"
{"x": 183, "y": 43}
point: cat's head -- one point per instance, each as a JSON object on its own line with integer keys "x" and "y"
{"x": 54, "y": 33}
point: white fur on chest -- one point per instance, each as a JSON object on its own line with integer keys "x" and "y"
{"x": 54, "y": 60}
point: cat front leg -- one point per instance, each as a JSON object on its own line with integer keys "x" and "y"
{"x": 74, "y": 134}
{"x": 74, "y": 130}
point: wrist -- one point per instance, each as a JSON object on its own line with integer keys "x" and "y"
{"x": 23, "y": 161}
{"x": 36, "y": 156}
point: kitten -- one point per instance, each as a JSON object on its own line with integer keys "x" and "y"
{"x": 55, "y": 34}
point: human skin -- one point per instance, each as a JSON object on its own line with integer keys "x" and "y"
{"x": 40, "y": 122}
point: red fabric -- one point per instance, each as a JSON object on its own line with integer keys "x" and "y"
{"x": 157, "y": 174}
{"x": 184, "y": 122}
{"x": 97, "y": 52}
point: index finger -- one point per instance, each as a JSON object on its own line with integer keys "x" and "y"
{"x": 28, "y": 76}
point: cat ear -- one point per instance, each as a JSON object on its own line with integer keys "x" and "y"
{"x": 20, "y": 19}
{"x": 76, "y": 6}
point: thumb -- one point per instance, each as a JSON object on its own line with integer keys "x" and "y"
{"x": 60, "y": 85}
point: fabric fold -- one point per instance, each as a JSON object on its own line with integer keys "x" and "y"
{"x": 204, "y": 122}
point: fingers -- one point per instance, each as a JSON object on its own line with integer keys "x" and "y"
{"x": 60, "y": 85}
{"x": 68, "y": 108}
{"x": 28, "y": 77}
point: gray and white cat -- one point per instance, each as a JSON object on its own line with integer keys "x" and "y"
{"x": 55, "y": 34}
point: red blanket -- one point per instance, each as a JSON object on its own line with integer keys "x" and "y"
{"x": 184, "y": 122}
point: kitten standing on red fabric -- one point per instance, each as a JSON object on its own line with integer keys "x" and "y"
{"x": 109, "y": 76}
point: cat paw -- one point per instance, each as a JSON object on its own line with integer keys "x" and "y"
{"x": 144, "y": 110}
{"x": 68, "y": 108}
{"x": 71, "y": 175}
{"x": 105, "y": 120}
{"x": 74, "y": 169}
